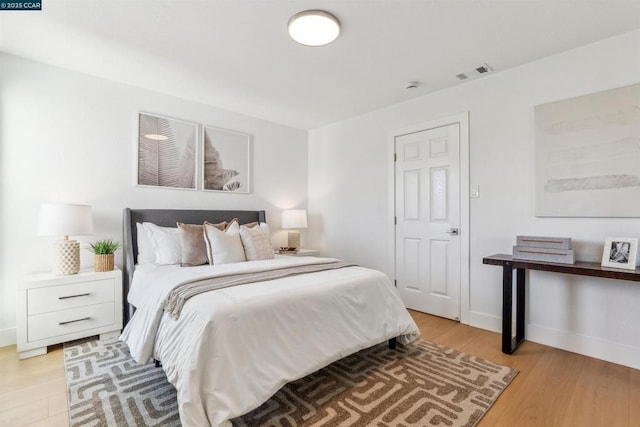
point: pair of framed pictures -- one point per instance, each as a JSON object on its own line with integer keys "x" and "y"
{"x": 183, "y": 155}
{"x": 620, "y": 252}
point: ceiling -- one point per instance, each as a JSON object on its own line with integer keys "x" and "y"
{"x": 237, "y": 55}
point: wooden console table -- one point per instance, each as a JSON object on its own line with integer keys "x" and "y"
{"x": 509, "y": 342}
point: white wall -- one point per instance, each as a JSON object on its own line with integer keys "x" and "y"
{"x": 69, "y": 137}
{"x": 348, "y": 196}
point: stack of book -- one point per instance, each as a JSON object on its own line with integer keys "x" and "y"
{"x": 547, "y": 249}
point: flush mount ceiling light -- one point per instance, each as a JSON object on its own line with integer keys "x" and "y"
{"x": 314, "y": 27}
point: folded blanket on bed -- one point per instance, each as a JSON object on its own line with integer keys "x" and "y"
{"x": 185, "y": 290}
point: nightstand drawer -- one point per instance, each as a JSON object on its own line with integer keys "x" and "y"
{"x": 57, "y": 323}
{"x": 52, "y": 309}
{"x": 62, "y": 297}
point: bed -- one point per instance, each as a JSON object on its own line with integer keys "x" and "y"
{"x": 232, "y": 348}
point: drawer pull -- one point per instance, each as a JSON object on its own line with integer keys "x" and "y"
{"x": 73, "y": 321}
{"x": 75, "y": 296}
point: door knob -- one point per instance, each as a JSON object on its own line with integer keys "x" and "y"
{"x": 453, "y": 231}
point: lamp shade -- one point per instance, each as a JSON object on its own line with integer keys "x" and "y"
{"x": 294, "y": 218}
{"x": 58, "y": 219}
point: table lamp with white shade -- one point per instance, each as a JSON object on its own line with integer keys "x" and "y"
{"x": 294, "y": 220}
{"x": 64, "y": 220}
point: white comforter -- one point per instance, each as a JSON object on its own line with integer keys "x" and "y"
{"x": 233, "y": 348}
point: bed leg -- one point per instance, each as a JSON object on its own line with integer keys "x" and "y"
{"x": 392, "y": 344}
{"x": 157, "y": 363}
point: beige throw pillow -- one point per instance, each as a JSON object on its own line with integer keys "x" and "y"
{"x": 193, "y": 245}
{"x": 263, "y": 226}
{"x": 256, "y": 243}
{"x": 224, "y": 247}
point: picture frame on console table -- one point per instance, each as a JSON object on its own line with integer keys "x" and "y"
{"x": 167, "y": 152}
{"x": 225, "y": 160}
{"x": 620, "y": 252}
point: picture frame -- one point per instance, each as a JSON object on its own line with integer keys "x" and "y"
{"x": 167, "y": 153}
{"x": 585, "y": 162}
{"x": 620, "y": 252}
{"x": 225, "y": 162}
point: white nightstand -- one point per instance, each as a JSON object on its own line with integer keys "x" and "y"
{"x": 53, "y": 309}
{"x": 303, "y": 252}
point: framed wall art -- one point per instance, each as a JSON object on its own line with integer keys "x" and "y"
{"x": 620, "y": 252}
{"x": 167, "y": 152}
{"x": 225, "y": 163}
{"x": 587, "y": 155}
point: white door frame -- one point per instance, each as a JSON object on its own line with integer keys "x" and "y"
{"x": 463, "y": 120}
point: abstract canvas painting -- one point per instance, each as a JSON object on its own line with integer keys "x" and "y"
{"x": 226, "y": 160}
{"x": 587, "y": 155}
{"x": 167, "y": 154}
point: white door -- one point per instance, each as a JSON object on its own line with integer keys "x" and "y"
{"x": 427, "y": 210}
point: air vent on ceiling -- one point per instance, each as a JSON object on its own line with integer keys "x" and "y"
{"x": 476, "y": 72}
{"x": 483, "y": 69}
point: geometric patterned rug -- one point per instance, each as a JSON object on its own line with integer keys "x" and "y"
{"x": 416, "y": 385}
{"x": 106, "y": 387}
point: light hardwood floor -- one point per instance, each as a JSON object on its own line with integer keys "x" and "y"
{"x": 553, "y": 388}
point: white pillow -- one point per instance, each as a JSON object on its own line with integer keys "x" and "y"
{"x": 266, "y": 230}
{"x": 262, "y": 226}
{"x": 256, "y": 243}
{"x": 165, "y": 242}
{"x": 224, "y": 247}
{"x": 146, "y": 253}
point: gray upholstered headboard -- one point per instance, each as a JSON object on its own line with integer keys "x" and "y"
{"x": 167, "y": 218}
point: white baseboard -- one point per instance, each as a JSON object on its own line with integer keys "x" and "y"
{"x": 589, "y": 346}
{"x": 7, "y": 337}
{"x": 485, "y": 321}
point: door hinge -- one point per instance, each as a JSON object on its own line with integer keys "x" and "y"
{"x": 395, "y": 283}
{"x": 395, "y": 220}
{"x": 395, "y": 157}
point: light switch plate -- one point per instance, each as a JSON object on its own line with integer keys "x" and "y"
{"x": 475, "y": 192}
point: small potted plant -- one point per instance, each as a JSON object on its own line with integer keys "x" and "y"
{"x": 104, "y": 250}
